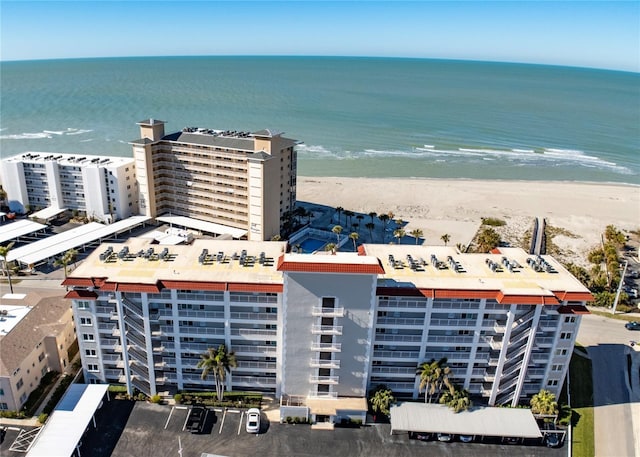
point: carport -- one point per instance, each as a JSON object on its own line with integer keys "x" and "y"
{"x": 63, "y": 431}
{"x": 48, "y": 214}
{"x": 477, "y": 421}
{"x": 202, "y": 226}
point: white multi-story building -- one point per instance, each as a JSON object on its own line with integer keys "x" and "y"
{"x": 326, "y": 326}
{"x": 36, "y": 336}
{"x": 99, "y": 187}
{"x": 237, "y": 179}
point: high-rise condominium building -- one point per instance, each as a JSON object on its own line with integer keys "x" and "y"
{"x": 103, "y": 188}
{"x": 237, "y": 179}
{"x": 326, "y": 326}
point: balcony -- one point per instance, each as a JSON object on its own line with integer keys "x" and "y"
{"x": 406, "y": 371}
{"x": 326, "y": 329}
{"x": 544, "y": 342}
{"x": 323, "y": 363}
{"x": 255, "y": 316}
{"x": 323, "y": 394}
{"x": 319, "y": 311}
{"x": 396, "y": 354}
{"x": 326, "y": 347}
{"x": 398, "y": 338}
{"x": 253, "y": 349}
{"x": 251, "y": 332}
{"x": 450, "y": 339}
{"x": 324, "y": 379}
{"x": 399, "y": 321}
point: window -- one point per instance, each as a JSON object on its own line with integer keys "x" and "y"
{"x": 570, "y": 319}
{"x": 560, "y": 352}
{"x": 85, "y": 321}
{"x": 44, "y": 371}
{"x": 566, "y": 335}
{"x": 1, "y": 391}
{"x": 93, "y": 367}
{"x": 19, "y": 384}
{"x": 83, "y": 305}
{"x": 88, "y": 337}
{"x": 90, "y": 352}
{"x": 556, "y": 367}
{"x": 4, "y": 406}
{"x": 23, "y": 398}
{"x": 552, "y": 382}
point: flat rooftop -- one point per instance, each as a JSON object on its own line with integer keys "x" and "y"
{"x": 182, "y": 262}
{"x": 11, "y": 315}
{"x": 512, "y": 271}
{"x": 75, "y": 160}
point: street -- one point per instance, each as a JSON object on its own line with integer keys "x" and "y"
{"x": 616, "y": 407}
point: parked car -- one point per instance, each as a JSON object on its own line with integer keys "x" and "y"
{"x": 253, "y": 420}
{"x": 195, "y": 421}
{"x": 420, "y": 436}
{"x": 552, "y": 439}
{"x": 511, "y": 440}
{"x": 444, "y": 437}
{"x": 633, "y": 325}
{"x": 466, "y": 438}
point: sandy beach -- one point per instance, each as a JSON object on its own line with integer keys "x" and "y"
{"x": 456, "y": 207}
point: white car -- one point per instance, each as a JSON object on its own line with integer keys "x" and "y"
{"x": 253, "y": 420}
{"x": 466, "y": 438}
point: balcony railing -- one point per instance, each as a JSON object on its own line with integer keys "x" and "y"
{"x": 398, "y": 337}
{"x": 327, "y": 312}
{"x": 417, "y": 322}
{"x": 326, "y": 329}
{"x": 393, "y": 370}
{"x": 323, "y": 394}
{"x": 324, "y": 363}
{"x": 251, "y": 349}
{"x": 324, "y": 379}
{"x": 326, "y": 347}
{"x": 397, "y": 354}
{"x": 452, "y": 323}
{"x": 255, "y": 316}
{"x": 253, "y": 332}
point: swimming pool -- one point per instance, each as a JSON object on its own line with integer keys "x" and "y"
{"x": 310, "y": 245}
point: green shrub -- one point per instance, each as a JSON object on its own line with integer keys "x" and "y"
{"x": 493, "y": 222}
{"x": 156, "y": 399}
{"x": 42, "y": 418}
{"x": 141, "y": 397}
{"x": 57, "y": 394}
{"x": 13, "y": 414}
{"x": 289, "y": 420}
{"x": 177, "y": 398}
{"x": 117, "y": 389}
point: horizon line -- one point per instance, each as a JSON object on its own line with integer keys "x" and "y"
{"x": 470, "y": 60}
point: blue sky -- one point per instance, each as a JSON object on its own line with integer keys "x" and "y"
{"x": 587, "y": 34}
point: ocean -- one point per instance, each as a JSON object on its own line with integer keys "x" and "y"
{"x": 362, "y": 117}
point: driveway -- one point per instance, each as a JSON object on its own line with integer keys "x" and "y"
{"x": 616, "y": 406}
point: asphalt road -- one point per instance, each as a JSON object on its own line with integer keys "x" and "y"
{"x": 616, "y": 408}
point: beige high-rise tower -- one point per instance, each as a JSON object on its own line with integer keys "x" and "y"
{"x": 244, "y": 180}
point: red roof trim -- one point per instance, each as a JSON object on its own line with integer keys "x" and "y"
{"x": 526, "y": 299}
{"x": 82, "y": 295}
{"x": 247, "y": 287}
{"x": 136, "y": 287}
{"x": 194, "y": 285}
{"x": 318, "y": 267}
{"x": 574, "y": 296}
{"x": 495, "y": 251}
{"x": 85, "y": 282}
{"x": 398, "y": 292}
{"x": 453, "y": 293}
{"x": 573, "y": 309}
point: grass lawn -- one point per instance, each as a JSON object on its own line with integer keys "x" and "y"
{"x": 619, "y": 316}
{"x": 582, "y": 404}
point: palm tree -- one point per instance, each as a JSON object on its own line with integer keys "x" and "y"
{"x": 488, "y": 240}
{"x": 218, "y": 363}
{"x": 372, "y": 214}
{"x": 339, "y": 210}
{"x": 66, "y": 259}
{"x": 446, "y": 238}
{"x": 360, "y": 218}
{"x": 348, "y": 214}
{"x": 544, "y": 403}
{"x": 399, "y": 233}
{"x": 384, "y": 218}
{"x": 417, "y": 234}
{"x": 433, "y": 376}
{"x": 354, "y": 237}
{"x": 337, "y": 229}
{"x": 330, "y": 247}
{"x": 370, "y": 226}
{"x": 457, "y": 399}
{"x": 4, "y": 252}
{"x": 382, "y": 399}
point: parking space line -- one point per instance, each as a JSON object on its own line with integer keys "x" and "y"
{"x": 240, "y": 424}
{"x": 169, "y": 418}
{"x": 186, "y": 420}
{"x": 224, "y": 414}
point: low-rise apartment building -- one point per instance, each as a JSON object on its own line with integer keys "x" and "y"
{"x": 36, "y": 334}
{"x": 245, "y": 180}
{"x": 102, "y": 188}
{"x": 326, "y": 326}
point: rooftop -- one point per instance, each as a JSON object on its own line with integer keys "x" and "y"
{"x": 75, "y": 160}
{"x": 36, "y": 316}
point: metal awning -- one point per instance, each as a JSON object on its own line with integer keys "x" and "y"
{"x": 47, "y": 213}
{"x": 480, "y": 421}
{"x": 16, "y": 229}
{"x": 203, "y": 226}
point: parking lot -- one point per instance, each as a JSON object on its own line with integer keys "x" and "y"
{"x": 153, "y": 430}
